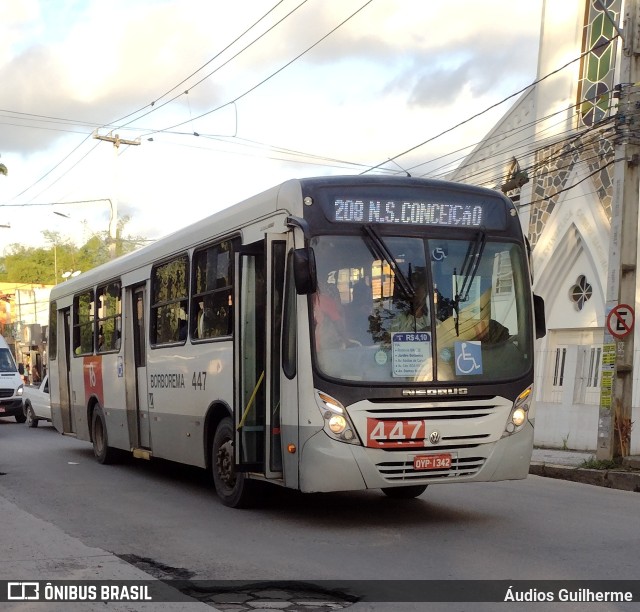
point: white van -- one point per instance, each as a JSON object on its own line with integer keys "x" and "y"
{"x": 11, "y": 386}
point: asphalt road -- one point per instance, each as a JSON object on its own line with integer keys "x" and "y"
{"x": 167, "y": 519}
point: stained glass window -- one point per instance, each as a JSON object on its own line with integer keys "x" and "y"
{"x": 597, "y": 67}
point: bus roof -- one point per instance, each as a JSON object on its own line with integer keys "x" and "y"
{"x": 285, "y": 197}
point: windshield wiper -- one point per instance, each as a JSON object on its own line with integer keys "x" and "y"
{"x": 380, "y": 251}
{"x": 468, "y": 272}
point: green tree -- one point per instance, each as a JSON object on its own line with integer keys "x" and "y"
{"x": 24, "y": 264}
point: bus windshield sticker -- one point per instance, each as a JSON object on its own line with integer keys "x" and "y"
{"x": 468, "y": 356}
{"x": 411, "y": 353}
{"x": 416, "y": 212}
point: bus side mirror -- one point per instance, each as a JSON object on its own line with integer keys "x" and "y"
{"x": 304, "y": 270}
{"x": 538, "y": 311}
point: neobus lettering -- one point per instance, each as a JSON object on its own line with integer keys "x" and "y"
{"x": 167, "y": 381}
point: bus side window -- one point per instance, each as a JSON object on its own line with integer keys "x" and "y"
{"x": 83, "y": 323}
{"x": 109, "y": 317}
{"x": 169, "y": 287}
{"x": 211, "y": 298}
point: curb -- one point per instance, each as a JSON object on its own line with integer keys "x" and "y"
{"x": 612, "y": 479}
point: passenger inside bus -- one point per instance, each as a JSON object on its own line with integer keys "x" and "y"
{"x": 182, "y": 329}
{"x": 413, "y": 315}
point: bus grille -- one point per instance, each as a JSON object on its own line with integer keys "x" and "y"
{"x": 395, "y": 471}
{"x": 6, "y": 392}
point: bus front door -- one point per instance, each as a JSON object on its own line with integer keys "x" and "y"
{"x": 140, "y": 361}
{"x": 259, "y": 294}
{"x": 249, "y": 358}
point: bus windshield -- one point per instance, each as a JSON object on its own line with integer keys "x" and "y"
{"x": 398, "y": 309}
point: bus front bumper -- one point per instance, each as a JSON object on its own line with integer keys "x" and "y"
{"x": 327, "y": 465}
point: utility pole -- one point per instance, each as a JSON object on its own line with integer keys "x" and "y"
{"x": 113, "y": 221}
{"x": 614, "y": 424}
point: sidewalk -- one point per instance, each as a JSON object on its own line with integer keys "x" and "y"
{"x": 33, "y": 549}
{"x": 566, "y": 465}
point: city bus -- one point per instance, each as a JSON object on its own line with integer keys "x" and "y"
{"x": 329, "y": 334}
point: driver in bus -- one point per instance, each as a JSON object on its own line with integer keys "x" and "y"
{"x": 329, "y": 318}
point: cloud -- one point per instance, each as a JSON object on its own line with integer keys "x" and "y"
{"x": 475, "y": 69}
{"x": 377, "y": 86}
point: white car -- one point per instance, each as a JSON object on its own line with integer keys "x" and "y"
{"x": 36, "y": 403}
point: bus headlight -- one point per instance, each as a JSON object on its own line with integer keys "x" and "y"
{"x": 337, "y": 424}
{"x": 518, "y": 417}
{"x": 519, "y": 413}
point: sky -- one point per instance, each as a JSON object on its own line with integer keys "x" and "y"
{"x": 226, "y": 99}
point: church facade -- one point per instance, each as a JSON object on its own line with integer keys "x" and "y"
{"x": 553, "y": 154}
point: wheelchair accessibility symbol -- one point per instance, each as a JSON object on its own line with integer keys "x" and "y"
{"x": 468, "y": 357}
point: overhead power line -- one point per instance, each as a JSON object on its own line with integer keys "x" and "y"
{"x": 253, "y": 42}
{"x": 500, "y": 136}
{"x": 55, "y": 167}
{"x": 486, "y": 110}
{"x": 273, "y": 74}
{"x": 230, "y": 102}
{"x": 319, "y": 158}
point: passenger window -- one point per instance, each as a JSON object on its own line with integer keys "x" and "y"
{"x": 83, "y": 323}
{"x": 169, "y": 286}
{"x": 212, "y": 296}
{"x": 109, "y": 317}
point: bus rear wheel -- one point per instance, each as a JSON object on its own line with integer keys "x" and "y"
{"x": 233, "y": 488}
{"x": 408, "y": 492}
{"x": 101, "y": 449}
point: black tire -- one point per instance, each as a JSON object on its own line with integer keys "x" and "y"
{"x": 233, "y": 488}
{"x": 408, "y": 492}
{"x": 21, "y": 417}
{"x": 30, "y": 416}
{"x": 104, "y": 453}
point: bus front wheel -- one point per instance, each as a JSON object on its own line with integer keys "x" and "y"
{"x": 408, "y": 492}
{"x": 101, "y": 449}
{"x": 232, "y": 487}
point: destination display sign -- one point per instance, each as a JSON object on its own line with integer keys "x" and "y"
{"x": 478, "y": 214}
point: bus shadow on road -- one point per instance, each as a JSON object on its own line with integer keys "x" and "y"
{"x": 348, "y": 510}
{"x": 345, "y": 510}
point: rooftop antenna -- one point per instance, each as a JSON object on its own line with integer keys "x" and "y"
{"x": 399, "y": 166}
